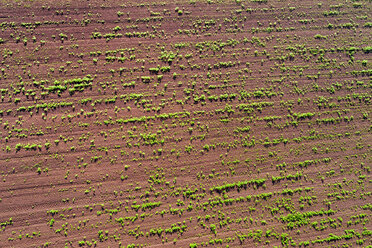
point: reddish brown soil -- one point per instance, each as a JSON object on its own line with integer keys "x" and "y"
{"x": 93, "y": 155}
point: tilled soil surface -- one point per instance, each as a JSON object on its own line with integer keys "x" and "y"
{"x": 185, "y": 123}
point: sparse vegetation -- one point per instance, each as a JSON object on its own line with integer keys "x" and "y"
{"x": 185, "y": 124}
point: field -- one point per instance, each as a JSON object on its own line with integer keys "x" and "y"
{"x": 193, "y": 123}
